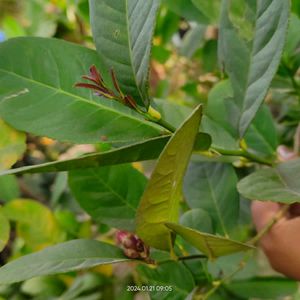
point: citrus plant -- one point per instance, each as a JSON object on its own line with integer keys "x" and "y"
{"x": 175, "y": 225}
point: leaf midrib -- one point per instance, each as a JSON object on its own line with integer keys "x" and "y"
{"x": 130, "y": 49}
{"x": 123, "y": 200}
{"x": 78, "y": 98}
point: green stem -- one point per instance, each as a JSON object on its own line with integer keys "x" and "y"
{"x": 240, "y": 152}
{"x": 182, "y": 258}
{"x": 166, "y": 125}
{"x": 270, "y": 224}
{"x": 245, "y": 154}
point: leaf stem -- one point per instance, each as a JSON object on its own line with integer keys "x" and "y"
{"x": 240, "y": 152}
{"x": 166, "y": 125}
{"x": 246, "y": 154}
{"x": 270, "y": 224}
{"x": 183, "y": 258}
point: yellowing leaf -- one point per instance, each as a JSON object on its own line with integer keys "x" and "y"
{"x": 211, "y": 245}
{"x": 160, "y": 201}
{"x": 12, "y": 145}
{"x": 36, "y": 223}
{"x": 4, "y": 231}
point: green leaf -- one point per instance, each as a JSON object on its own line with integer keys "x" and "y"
{"x": 261, "y": 136}
{"x": 172, "y": 274}
{"x": 197, "y": 219}
{"x": 4, "y": 230}
{"x": 193, "y": 40}
{"x": 41, "y": 88}
{"x": 278, "y": 184}
{"x": 160, "y": 201}
{"x": 252, "y": 65}
{"x": 212, "y": 187}
{"x": 187, "y": 10}
{"x": 27, "y": 214}
{"x": 70, "y": 256}
{"x": 211, "y": 245}
{"x": 109, "y": 194}
{"x": 263, "y": 287}
{"x": 122, "y": 33}
{"x": 12, "y": 145}
{"x": 145, "y": 150}
{"x": 211, "y": 9}
{"x": 9, "y": 188}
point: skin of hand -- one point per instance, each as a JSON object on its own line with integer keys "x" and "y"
{"x": 282, "y": 243}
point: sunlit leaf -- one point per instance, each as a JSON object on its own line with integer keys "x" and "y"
{"x": 4, "y": 230}
{"x": 160, "y": 201}
{"x": 12, "y": 145}
{"x": 36, "y": 223}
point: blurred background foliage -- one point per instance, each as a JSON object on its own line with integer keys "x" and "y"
{"x": 184, "y": 70}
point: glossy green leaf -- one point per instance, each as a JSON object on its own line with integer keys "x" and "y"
{"x": 160, "y": 201}
{"x": 27, "y": 214}
{"x": 211, "y": 245}
{"x": 4, "y": 230}
{"x": 122, "y": 33}
{"x": 252, "y": 65}
{"x": 69, "y": 256}
{"x": 145, "y": 150}
{"x": 263, "y": 287}
{"x": 212, "y": 187}
{"x": 109, "y": 194}
{"x": 41, "y": 88}
{"x": 278, "y": 184}
{"x": 175, "y": 277}
{"x": 12, "y": 145}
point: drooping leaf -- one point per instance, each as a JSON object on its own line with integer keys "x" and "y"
{"x": 263, "y": 287}
{"x": 109, "y": 194}
{"x": 145, "y": 150}
{"x": 35, "y": 223}
{"x": 12, "y": 145}
{"x": 122, "y": 33}
{"x": 251, "y": 65}
{"x": 160, "y": 201}
{"x": 173, "y": 276}
{"x": 69, "y": 256}
{"x": 211, "y": 245}
{"x": 212, "y": 187}
{"x": 278, "y": 184}
{"x": 4, "y": 230}
{"x": 40, "y": 97}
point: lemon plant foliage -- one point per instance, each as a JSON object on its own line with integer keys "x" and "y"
{"x": 213, "y": 151}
